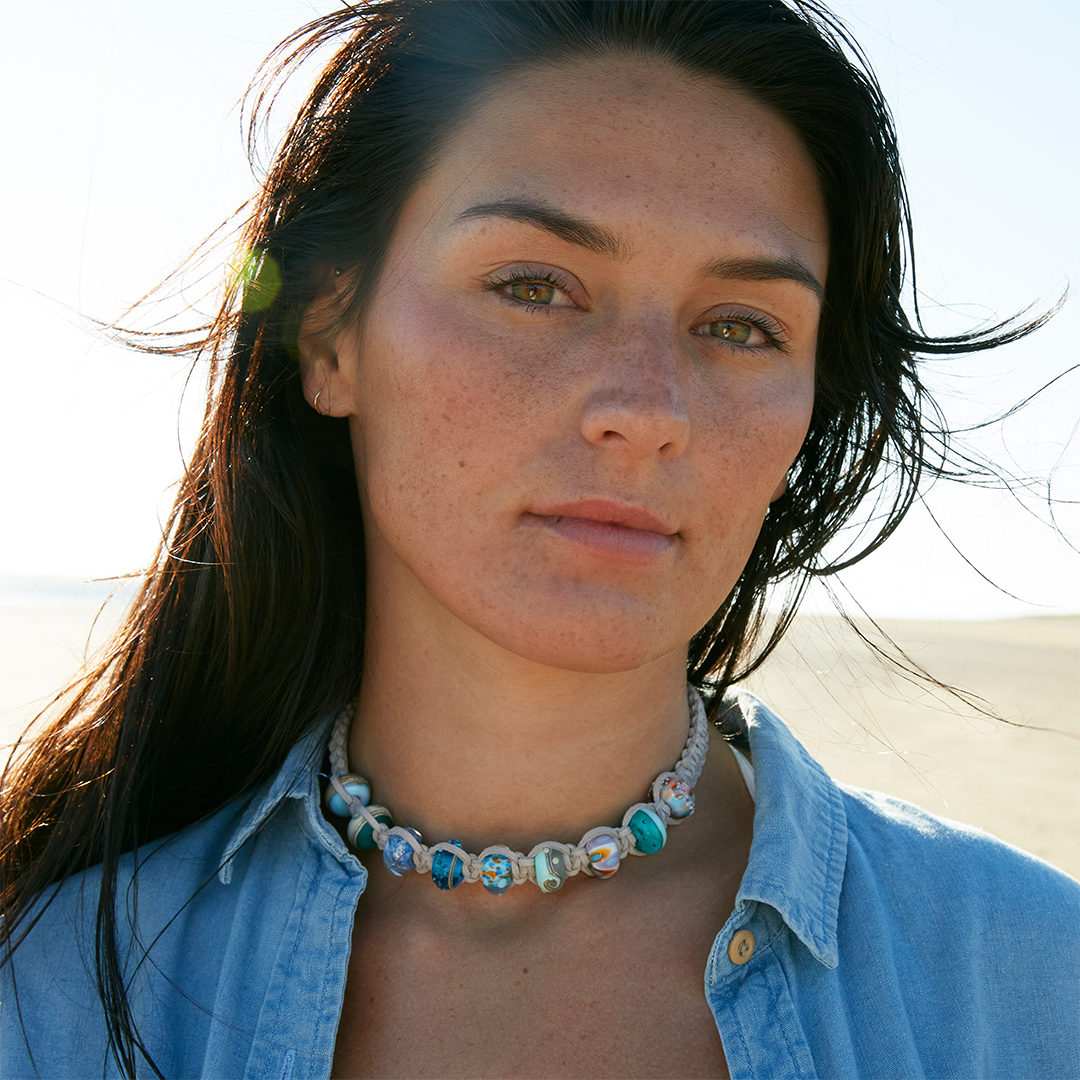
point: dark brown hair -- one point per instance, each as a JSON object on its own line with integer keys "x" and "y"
{"x": 250, "y": 625}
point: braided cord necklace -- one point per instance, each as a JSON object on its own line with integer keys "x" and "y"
{"x": 549, "y": 863}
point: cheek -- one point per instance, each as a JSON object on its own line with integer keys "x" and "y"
{"x": 756, "y": 431}
{"x": 753, "y": 437}
{"x": 436, "y": 416}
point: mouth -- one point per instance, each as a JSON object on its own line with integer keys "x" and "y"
{"x": 608, "y": 529}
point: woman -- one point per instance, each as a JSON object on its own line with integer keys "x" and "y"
{"x": 597, "y": 306}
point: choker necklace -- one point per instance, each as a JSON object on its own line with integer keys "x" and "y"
{"x": 548, "y": 864}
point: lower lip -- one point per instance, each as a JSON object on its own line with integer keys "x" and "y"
{"x": 605, "y": 538}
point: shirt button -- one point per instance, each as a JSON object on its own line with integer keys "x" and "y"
{"x": 741, "y": 947}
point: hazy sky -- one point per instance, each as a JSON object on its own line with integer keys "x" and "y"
{"x": 124, "y": 150}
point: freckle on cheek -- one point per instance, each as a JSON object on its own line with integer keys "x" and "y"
{"x": 461, "y": 464}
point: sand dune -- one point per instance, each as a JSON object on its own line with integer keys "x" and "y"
{"x": 1016, "y": 780}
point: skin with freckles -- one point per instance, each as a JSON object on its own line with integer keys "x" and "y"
{"x": 584, "y": 375}
{"x": 473, "y": 410}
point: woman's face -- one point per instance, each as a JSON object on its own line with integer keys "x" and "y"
{"x": 587, "y": 367}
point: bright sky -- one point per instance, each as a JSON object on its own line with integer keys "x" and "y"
{"x": 125, "y": 151}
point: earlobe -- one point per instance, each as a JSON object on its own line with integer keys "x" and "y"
{"x": 318, "y": 367}
{"x": 316, "y": 345}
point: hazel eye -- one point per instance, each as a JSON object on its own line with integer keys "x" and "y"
{"x": 532, "y": 292}
{"x": 736, "y": 332}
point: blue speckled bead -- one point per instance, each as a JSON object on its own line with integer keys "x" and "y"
{"x": 649, "y": 831}
{"x": 354, "y": 785}
{"x": 550, "y": 866}
{"x": 446, "y": 870}
{"x": 398, "y": 853}
{"x": 360, "y": 833}
{"x": 496, "y": 872}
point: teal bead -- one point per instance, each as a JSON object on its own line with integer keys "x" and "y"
{"x": 550, "y": 867}
{"x": 354, "y": 785}
{"x": 446, "y": 867}
{"x": 649, "y": 831}
{"x": 360, "y": 833}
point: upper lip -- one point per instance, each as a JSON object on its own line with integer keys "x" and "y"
{"x": 610, "y": 512}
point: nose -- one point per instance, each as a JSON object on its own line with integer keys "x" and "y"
{"x": 636, "y": 403}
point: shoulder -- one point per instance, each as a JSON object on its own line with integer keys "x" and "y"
{"x": 980, "y": 940}
{"x": 932, "y": 855}
{"x": 207, "y": 923}
{"x": 902, "y": 880}
{"x": 51, "y": 1015}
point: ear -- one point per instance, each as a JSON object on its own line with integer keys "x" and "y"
{"x": 316, "y": 343}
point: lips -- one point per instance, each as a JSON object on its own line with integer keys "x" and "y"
{"x": 609, "y": 529}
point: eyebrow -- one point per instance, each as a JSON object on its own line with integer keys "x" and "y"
{"x": 571, "y": 229}
{"x": 788, "y": 269}
{"x": 603, "y": 241}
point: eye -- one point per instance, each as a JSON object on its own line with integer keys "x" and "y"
{"x": 739, "y": 333}
{"x": 533, "y": 288}
{"x": 746, "y": 330}
{"x": 531, "y": 292}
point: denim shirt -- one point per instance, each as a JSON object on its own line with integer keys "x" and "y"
{"x": 887, "y": 943}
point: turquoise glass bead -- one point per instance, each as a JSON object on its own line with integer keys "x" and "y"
{"x": 497, "y": 873}
{"x": 398, "y": 853}
{"x": 360, "y": 833}
{"x": 649, "y": 831}
{"x": 446, "y": 867}
{"x": 550, "y": 866}
{"x": 354, "y": 785}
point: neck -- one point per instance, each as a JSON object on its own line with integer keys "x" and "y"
{"x": 487, "y": 748}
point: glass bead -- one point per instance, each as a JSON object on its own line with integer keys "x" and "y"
{"x": 677, "y": 795}
{"x": 497, "y": 873}
{"x": 360, "y": 833}
{"x": 398, "y": 853}
{"x": 446, "y": 867}
{"x": 649, "y": 831}
{"x": 603, "y": 852}
{"x": 354, "y": 785}
{"x": 550, "y": 866}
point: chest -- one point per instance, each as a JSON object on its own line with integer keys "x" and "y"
{"x": 596, "y": 998}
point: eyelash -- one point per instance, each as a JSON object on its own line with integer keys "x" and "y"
{"x": 522, "y": 277}
{"x": 759, "y": 321}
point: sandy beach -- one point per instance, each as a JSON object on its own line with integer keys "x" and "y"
{"x": 1017, "y": 777}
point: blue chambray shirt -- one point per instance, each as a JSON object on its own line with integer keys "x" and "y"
{"x": 887, "y": 943}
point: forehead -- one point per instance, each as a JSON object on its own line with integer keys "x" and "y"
{"x": 635, "y": 144}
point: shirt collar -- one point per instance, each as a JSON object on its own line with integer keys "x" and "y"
{"x": 298, "y": 778}
{"x": 799, "y": 849}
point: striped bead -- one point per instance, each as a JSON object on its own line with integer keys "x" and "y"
{"x": 354, "y": 785}
{"x": 360, "y": 833}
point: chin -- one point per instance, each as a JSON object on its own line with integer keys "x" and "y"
{"x": 591, "y": 646}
